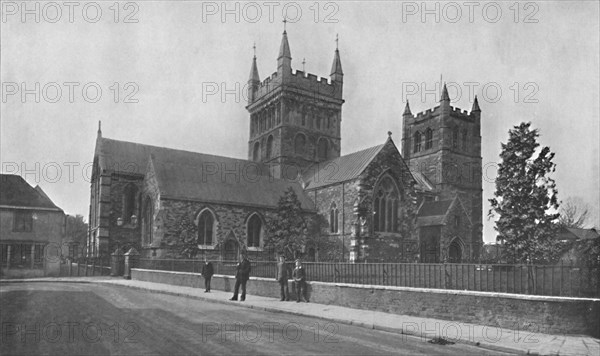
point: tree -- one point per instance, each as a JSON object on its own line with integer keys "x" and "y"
{"x": 524, "y": 198}
{"x": 187, "y": 231}
{"x": 76, "y": 234}
{"x": 573, "y": 213}
{"x": 289, "y": 228}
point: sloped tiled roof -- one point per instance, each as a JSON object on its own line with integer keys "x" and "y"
{"x": 432, "y": 208}
{"x": 189, "y": 175}
{"x": 571, "y": 233}
{"x": 16, "y": 192}
{"x": 131, "y": 157}
{"x": 240, "y": 185}
{"x": 340, "y": 169}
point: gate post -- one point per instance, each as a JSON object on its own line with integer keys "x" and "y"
{"x": 117, "y": 263}
{"x": 129, "y": 256}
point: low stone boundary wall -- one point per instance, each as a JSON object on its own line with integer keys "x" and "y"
{"x": 552, "y": 315}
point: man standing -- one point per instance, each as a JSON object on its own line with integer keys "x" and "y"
{"x": 299, "y": 276}
{"x": 207, "y": 273}
{"x": 241, "y": 277}
{"x": 282, "y": 278}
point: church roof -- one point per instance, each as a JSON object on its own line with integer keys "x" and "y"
{"x": 196, "y": 176}
{"x": 435, "y": 212}
{"x": 16, "y": 192}
{"x": 340, "y": 169}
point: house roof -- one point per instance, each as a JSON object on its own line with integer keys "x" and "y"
{"x": 340, "y": 169}
{"x": 189, "y": 175}
{"x": 16, "y": 192}
{"x": 571, "y": 233}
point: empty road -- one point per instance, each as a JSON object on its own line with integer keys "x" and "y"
{"x": 90, "y": 319}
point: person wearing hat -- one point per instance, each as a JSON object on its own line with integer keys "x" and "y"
{"x": 282, "y": 278}
{"x": 299, "y": 277}
{"x": 242, "y": 276}
{"x": 207, "y": 273}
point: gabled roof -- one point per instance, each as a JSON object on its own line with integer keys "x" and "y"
{"x": 434, "y": 208}
{"x": 16, "y": 192}
{"x": 341, "y": 169}
{"x": 222, "y": 180}
{"x": 571, "y": 233}
{"x": 132, "y": 158}
{"x": 196, "y": 176}
{"x": 436, "y": 212}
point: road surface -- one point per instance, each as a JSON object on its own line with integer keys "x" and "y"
{"x": 91, "y": 319}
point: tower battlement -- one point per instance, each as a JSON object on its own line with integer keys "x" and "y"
{"x": 299, "y": 81}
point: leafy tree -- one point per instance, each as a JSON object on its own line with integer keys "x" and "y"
{"x": 524, "y": 197}
{"x": 76, "y": 233}
{"x": 573, "y": 213}
{"x": 186, "y": 229}
{"x": 329, "y": 248}
{"x": 289, "y": 228}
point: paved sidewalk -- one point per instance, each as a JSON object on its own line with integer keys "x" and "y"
{"x": 493, "y": 338}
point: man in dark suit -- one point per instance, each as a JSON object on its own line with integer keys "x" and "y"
{"x": 282, "y": 278}
{"x": 207, "y": 273}
{"x": 241, "y": 277}
{"x": 299, "y": 277}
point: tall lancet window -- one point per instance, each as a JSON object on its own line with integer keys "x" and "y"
{"x": 333, "y": 218}
{"x": 385, "y": 206}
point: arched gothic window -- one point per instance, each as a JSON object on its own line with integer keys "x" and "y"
{"x": 417, "y": 142}
{"x": 428, "y": 139}
{"x": 129, "y": 195}
{"x": 299, "y": 144}
{"x": 333, "y": 218}
{"x": 322, "y": 149}
{"x": 254, "y": 231}
{"x": 269, "y": 146}
{"x": 464, "y": 140}
{"x": 385, "y": 206}
{"x": 256, "y": 152}
{"x": 206, "y": 224}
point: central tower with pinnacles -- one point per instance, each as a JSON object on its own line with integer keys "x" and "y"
{"x": 295, "y": 117}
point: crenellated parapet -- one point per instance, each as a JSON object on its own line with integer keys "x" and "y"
{"x": 307, "y": 84}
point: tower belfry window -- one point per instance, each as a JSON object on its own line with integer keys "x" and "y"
{"x": 428, "y": 139}
{"x": 417, "y": 142}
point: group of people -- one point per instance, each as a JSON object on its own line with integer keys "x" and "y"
{"x": 242, "y": 276}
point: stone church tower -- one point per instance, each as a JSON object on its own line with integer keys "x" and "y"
{"x": 295, "y": 117}
{"x": 444, "y": 145}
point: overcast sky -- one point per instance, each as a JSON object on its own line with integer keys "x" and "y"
{"x": 166, "y": 65}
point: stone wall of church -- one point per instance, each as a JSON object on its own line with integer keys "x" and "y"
{"x": 343, "y": 195}
{"x": 179, "y": 217}
{"x": 128, "y": 234}
{"x": 386, "y": 246}
{"x": 452, "y": 230}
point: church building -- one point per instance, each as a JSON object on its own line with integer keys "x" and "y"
{"x": 420, "y": 204}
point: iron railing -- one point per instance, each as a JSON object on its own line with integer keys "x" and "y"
{"x": 550, "y": 280}
{"x": 84, "y": 267}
